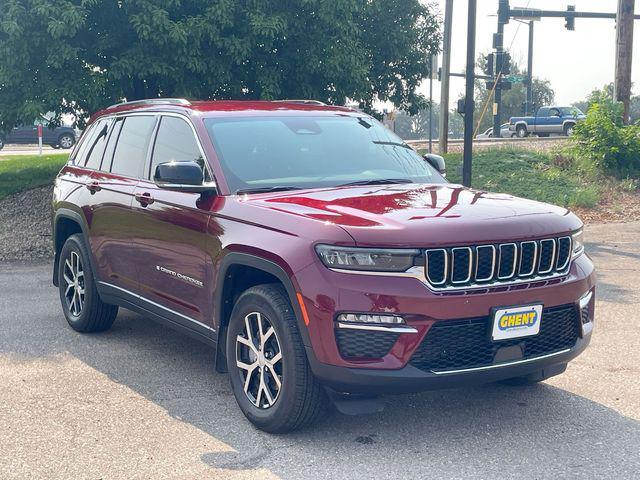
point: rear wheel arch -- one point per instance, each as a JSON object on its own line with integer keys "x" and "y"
{"x": 237, "y": 273}
{"x": 66, "y": 223}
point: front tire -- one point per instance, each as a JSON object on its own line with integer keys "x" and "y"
{"x": 268, "y": 369}
{"x": 521, "y": 131}
{"x": 81, "y": 304}
{"x": 568, "y": 129}
{"x": 66, "y": 141}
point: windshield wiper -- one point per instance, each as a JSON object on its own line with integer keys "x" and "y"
{"x": 378, "y": 181}
{"x": 395, "y": 144}
{"x": 279, "y": 188}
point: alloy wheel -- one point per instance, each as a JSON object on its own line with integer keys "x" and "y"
{"x": 259, "y": 359}
{"x": 73, "y": 276}
{"x": 66, "y": 141}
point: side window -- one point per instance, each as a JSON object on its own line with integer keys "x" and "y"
{"x": 175, "y": 142}
{"x": 78, "y": 154}
{"x": 133, "y": 142}
{"x": 98, "y": 143}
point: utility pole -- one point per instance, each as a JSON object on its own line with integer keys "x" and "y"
{"x": 624, "y": 49}
{"x": 529, "y": 103}
{"x": 498, "y": 44}
{"x": 468, "y": 99}
{"x": 444, "y": 78}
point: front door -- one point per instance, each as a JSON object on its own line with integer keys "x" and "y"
{"x": 170, "y": 233}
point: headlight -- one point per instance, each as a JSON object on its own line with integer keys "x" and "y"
{"x": 367, "y": 259}
{"x": 578, "y": 245}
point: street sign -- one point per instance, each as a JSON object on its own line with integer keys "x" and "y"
{"x": 515, "y": 78}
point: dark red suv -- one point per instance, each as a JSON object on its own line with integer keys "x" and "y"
{"x": 317, "y": 250}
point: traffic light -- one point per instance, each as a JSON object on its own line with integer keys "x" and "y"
{"x": 503, "y": 11}
{"x": 570, "y": 21}
{"x": 488, "y": 68}
{"x": 506, "y": 64}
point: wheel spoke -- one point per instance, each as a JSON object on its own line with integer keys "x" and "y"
{"x": 275, "y": 376}
{"x": 276, "y": 358}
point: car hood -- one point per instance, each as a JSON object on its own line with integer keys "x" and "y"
{"x": 423, "y": 215}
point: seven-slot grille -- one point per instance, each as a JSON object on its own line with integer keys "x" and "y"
{"x": 504, "y": 263}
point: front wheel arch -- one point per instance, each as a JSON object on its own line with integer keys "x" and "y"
{"x": 273, "y": 273}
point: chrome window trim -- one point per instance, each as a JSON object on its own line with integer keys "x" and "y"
{"x": 446, "y": 265}
{"x": 377, "y": 328}
{"x": 568, "y": 237}
{"x": 553, "y": 256}
{"x": 533, "y": 263}
{"x": 500, "y": 365}
{"x": 515, "y": 260}
{"x": 493, "y": 262}
{"x": 453, "y": 258}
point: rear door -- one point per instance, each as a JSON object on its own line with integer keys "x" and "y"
{"x": 170, "y": 232}
{"x": 112, "y": 186}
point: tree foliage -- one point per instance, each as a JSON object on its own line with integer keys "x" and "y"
{"x": 80, "y": 55}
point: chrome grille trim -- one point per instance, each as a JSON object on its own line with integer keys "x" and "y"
{"x": 493, "y": 263}
{"x": 453, "y": 257}
{"x": 564, "y": 265}
{"x": 515, "y": 260}
{"x": 553, "y": 255}
{"x": 445, "y": 276}
{"x": 533, "y": 262}
{"x": 514, "y": 268}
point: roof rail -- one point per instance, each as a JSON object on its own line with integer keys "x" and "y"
{"x": 303, "y": 102}
{"x": 154, "y": 101}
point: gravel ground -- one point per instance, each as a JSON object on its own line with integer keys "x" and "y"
{"x": 25, "y": 225}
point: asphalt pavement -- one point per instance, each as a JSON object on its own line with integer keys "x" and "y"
{"x": 141, "y": 401}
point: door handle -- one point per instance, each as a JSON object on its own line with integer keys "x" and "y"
{"x": 144, "y": 199}
{"x": 93, "y": 187}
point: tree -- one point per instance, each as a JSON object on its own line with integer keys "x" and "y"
{"x": 512, "y": 100}
{"x": 604, "y": 96}
{"x": 77, "y": 56}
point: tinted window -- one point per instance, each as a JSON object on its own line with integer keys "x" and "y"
{"x": 97, "y": 144}
{"x": 310, "y": 152}
{"x": 131, "y": 149}
{"x": 78, "y": 154}
{"x": 175, "y": 142}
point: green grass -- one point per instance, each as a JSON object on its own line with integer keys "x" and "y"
{"x": 18, "y": 172}
{"x": 528, "y": 174}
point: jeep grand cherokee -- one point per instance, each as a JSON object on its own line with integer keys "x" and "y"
{"x": 317, "y": 251}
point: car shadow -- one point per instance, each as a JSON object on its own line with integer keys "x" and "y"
{"x": 452, "y": 433}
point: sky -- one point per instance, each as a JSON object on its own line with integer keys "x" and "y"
{"x": 575, "y": 62}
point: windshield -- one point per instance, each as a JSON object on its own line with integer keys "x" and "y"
{"x": 261, "y": 153}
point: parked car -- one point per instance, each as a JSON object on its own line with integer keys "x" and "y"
{"x": 548, "y": 120}
{"x": 57, "y": 137}
{"x": 504, "y": 132}
{"x": 317, "y": 251}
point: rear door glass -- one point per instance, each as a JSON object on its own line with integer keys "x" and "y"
{"x": 97, "y": 144}
{"x": 133, "y": 142}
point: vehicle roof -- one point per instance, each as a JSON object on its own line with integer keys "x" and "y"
{"x": 213, "y": 108}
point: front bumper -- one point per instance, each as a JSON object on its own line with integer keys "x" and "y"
{"x": 411, "y": 379}
{"x": 328, "y": 293}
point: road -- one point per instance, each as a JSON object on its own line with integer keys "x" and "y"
{"x": 141, "y": 401}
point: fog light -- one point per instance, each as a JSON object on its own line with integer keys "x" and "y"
{"x": 585, "y": 315}
{"x": 371, "y": 318}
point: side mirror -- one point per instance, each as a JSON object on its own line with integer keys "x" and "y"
{"x": 182, "y": 176}
{"x": 437, "y": 162}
